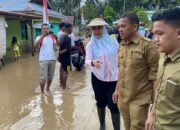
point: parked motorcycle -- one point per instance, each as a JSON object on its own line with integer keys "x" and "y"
{"x": 78, "y": 54}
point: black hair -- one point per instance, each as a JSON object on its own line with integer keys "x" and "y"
{"x": 169, "y": 16}
{"x": 44, "y": 24}
{"x": 68, "y": 25}
{"x": 132, "y": 17}
{"x": 62, "y": 24}
{"x": 14, "y": 40}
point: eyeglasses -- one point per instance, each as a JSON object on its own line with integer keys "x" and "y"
{"x": 97, "y": 27}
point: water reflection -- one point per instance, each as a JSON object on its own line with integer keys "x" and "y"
{"x": 21, "y": 108}
{"x": 34, "y": 120}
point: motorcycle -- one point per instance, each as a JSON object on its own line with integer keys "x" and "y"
{"x": 78, "y": 54}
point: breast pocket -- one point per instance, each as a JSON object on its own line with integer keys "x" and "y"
{"x": 120, "y": 58}
{"x": 172, "y": 89}
{"x": 136, "y": 59}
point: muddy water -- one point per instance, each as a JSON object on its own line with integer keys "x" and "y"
{"x": 22, "y": 108}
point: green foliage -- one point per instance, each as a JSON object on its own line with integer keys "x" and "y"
{"x": 95, "y": 8}
{"x": 79, "y": 33}
{"x": 67, "y": 7}
{"x": 117, "y": 5}
{"x": 142, "y": 14}
{"x": 91, "y": 11}
{"x": 109, "y": 14}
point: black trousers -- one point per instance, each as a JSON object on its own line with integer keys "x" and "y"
{"x": 103, "y": 93}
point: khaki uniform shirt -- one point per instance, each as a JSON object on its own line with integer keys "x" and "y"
{"x": 167, "y": 103}
{"x": 138, "y": 64}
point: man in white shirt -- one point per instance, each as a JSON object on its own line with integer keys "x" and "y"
{"x": 61, "y": 30}
{"x": 46, "y": 44}
{"x": 73, "y": 39}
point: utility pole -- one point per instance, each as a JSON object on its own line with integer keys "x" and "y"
{"x": 124, "y": 6}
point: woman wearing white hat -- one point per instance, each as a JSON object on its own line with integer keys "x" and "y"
{"x": 101, "y": 57}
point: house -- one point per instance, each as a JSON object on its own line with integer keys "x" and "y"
{"x": 11, "y": 25}
{"x": 26, "y": 15}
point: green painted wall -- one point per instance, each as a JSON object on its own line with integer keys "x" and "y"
{"x": 55, "y": 28}
{"x": 13, "y": 29}
{"x": 55, "y": 22}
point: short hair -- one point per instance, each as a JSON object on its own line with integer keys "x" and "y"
{"x": 169, "y": 16}
{"x": 132, "y": 17}
{"x": 44, "y": 24}
{"x": 62, "y": 24}
{"x": 68, "y": 25}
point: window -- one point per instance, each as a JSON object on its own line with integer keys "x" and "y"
{"x": 24, "y": 31}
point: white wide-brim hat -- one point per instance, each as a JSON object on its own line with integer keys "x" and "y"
{"x": 97, "y": 22}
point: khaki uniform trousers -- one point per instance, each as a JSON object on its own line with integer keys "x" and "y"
{"x": 134, "y": 115}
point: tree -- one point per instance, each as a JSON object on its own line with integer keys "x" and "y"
{"x": 109, "y": 14}
{"x": 90, "y": 11}
{"x": 156, "y": 4}
{"x": 118, "y": 5}
{"x": 67, "y": 7}
{"x": 142, "y": 14}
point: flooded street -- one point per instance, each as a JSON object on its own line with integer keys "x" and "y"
{"x": 23, "y": 108}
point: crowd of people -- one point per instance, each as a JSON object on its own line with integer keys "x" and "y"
{"x": 146, "y": 73}
{"x": 130, "y": 73}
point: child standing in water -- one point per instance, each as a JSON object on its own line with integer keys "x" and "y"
{"x": 15, "y": 45}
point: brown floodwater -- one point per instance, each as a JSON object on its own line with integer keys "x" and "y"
{"x": 23, "y": 108}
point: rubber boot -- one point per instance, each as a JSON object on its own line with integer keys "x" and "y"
{"x": 116, "y": 120}
{"x": 101, "y": 114}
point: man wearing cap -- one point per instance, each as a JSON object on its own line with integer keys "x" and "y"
{"x": 138, "y": 64}
{"x": 101, "y": 58}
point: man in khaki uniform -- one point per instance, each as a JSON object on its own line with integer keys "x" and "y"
{"x": 166, "y": 110}
{"x": 138, "y": 64}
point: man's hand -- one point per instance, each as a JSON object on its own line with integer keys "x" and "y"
{"x": 43, "y": 35}
{"x": 96, "y": 63}
{"x": 55, "y": 37}
{"x": 115, "y": 97}
{"x": 149, "y": 123}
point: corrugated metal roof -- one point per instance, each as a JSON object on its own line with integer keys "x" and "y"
{"x": 26, "y": 5}
{"x": 39, "y": 10}
{"x": 8, "y": 13}
{"x": 12, "y": 5}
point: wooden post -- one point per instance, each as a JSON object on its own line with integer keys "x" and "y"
{"x": 32, "y": 40}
